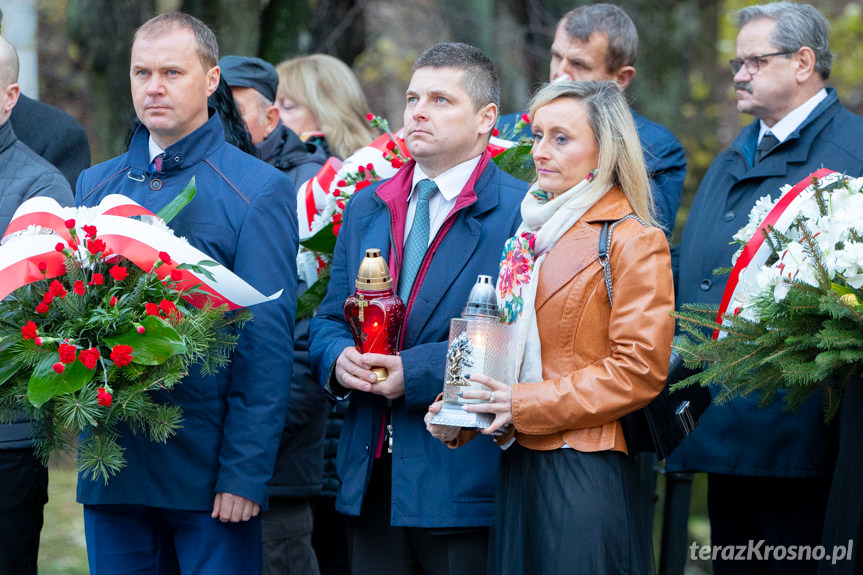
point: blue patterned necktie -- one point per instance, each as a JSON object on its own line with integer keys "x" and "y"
{"x": 418, "y": 239}
{"x": 768, "y": 142}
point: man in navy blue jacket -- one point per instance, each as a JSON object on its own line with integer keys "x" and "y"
{"x": 600, "y": 42}
{"x": 414, "y": 505}
{"x": 195, "y": 500}
{"x": 768, "y": 470}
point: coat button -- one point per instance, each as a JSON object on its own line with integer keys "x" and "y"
{"x": 155, "y": 184}
{"x": 367, "y": 447}
{"x": 729, "y": 215}
{"x": 176, "y": 158}
{"x": 705, "y": 285}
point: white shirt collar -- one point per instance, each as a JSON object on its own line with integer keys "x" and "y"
{"x": 154, "y": 148}
{"x": 786, "y": 126}
{"x": 451, "y": 182}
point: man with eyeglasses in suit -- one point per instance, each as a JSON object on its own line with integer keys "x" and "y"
{"x": 769, "y": 470}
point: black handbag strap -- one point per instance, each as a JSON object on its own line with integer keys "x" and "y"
{"x": 605, "y": 250}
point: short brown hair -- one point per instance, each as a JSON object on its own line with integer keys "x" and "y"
{"x": 208, "y": 47}
{"x": 609, "y": 21}
{"x": 479, "y": 76}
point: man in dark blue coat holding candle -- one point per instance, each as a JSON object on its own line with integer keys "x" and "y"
{"x": 412, "y": 504}
{"x": 194, "y": 501}
{"x": 768, "y": 470}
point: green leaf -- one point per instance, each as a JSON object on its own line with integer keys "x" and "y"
{"x": 153, "y": 347}
{"x": 312, "y": 297}
{"x": 323, "y": 241}
{"x": 175, "y": 206}
{"x": 517, "y": 162}
{"x": 8, "y": 365}
{"x": 46, "y": 384}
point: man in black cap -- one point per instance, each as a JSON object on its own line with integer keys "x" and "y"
{"x": 253, "y": 84}
{"x": 297, "y": 478}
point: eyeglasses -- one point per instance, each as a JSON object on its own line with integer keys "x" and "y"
{"x": 753, "y": 63}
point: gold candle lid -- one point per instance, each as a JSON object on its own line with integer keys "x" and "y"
{"x": 374, "y": 274}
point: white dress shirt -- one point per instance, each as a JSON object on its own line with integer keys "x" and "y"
{"x": 449, "y": 184}
{"x": 792, "y": 120}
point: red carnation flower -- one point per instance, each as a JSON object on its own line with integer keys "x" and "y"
{"x": 525, "y": 118}
{"x": 340, "y": 204}
{"x": 151, "y": 309}
{"x": 58, "y": 367}
{"x": 42, "y": 308}
{"x": 337, "y": 193}
{"x": 69, "y": 224}
{"x": 391, "y": 145}
{"x": 370, "y": 166}
{"x": 176, "y": 275}
{"x": 165, "y": 257}
{"x": 370, "y": 116}
{"x": 121, "y": 355}
{"x": 169, "y": 309}
{"x": 67, "y": 353}
{"x": 113, "y": 301}
{"x": 103, "y": 398}
{"x": 96, "y": 246}
{"x": 397, "y": 163}
{"x": 336, "y": 228}
{"x": 60, "y": 247}
{"x": 90, "y": 231}
{"x": 361, "y": 169}
{"x": 363, "y": 184}
{"x": 89, "y": 357}
{"x": 98, "y": 279}
{"x": 119, "y": 273}
{"x": 38, "y": 340}
{"x": 42, "y": 266}
{"x": 28, "y": 330}
{"x": 56, "y": 289}
{"x": 78, "y": 288}
{"x": 337, "y": 218}
{"x": 141, "y": 329}
{"x": 342, "y": 183}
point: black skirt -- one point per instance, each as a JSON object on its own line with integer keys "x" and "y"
{"x": 568, "y": 512}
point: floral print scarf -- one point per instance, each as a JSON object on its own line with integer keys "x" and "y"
{"x": 544, "y": 220}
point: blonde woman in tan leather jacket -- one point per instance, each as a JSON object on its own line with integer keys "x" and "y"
{"x": 566, "y": 490}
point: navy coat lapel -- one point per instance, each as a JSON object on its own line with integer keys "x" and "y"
{"x": 452, "y": 256}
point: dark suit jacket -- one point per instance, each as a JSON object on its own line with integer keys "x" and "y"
{"x": 54, "y": 135}
{"x": 432, "y": 486}
{"x": 741, "y": 438}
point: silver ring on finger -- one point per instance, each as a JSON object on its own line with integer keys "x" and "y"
{"x": 491, "y": 397}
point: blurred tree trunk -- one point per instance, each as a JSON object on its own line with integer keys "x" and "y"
{"x": 397, "y": 34}
{"x": 103, "y": 31}
{"x": 236, "y": 23}
{"x": 679, "y": 83}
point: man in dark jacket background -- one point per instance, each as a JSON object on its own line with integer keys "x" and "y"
{"x": 287, "y": 526}
{"x": 253, "y": 84}
{"x": 768, "y": 470}
{"x": 23, "y": 479}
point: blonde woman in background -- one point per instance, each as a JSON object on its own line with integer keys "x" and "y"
{"x": 320, "y": 98}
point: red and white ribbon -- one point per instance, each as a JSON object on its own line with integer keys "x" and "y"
{"x": 757, "y": 251}
{"x": 137, "y": 241}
